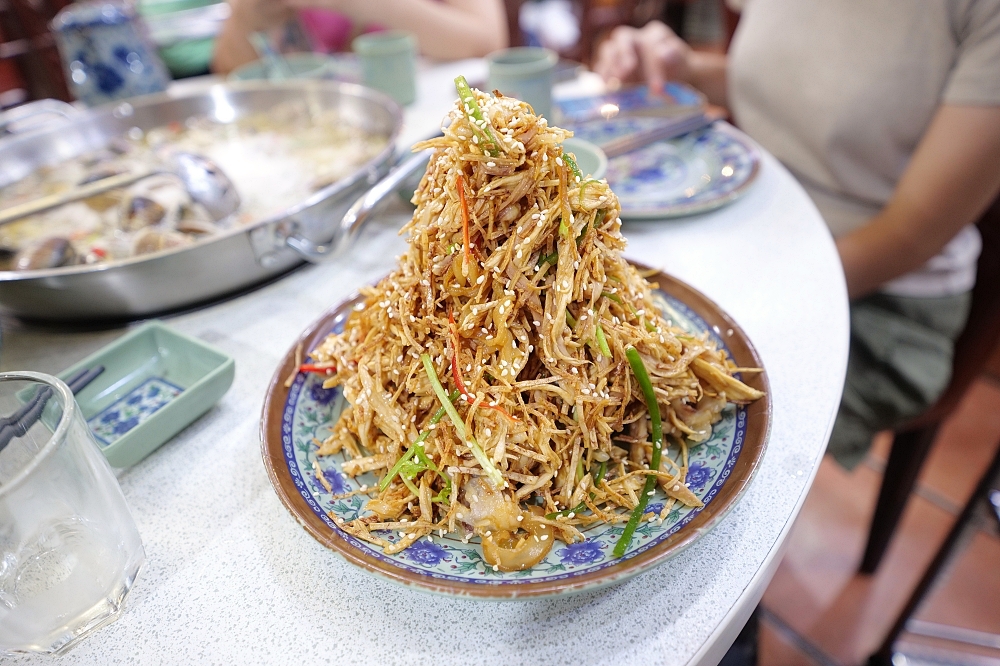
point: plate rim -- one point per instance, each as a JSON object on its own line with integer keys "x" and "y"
{"x": 650, "y": 214}
{"x": 759, "y": 421}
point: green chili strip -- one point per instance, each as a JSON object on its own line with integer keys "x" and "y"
{"x": 639, "y": 370}
{"x": 417, "y": 443}
{"x": 488, "y": 142}
{"x": 570, "y": 319}
{"x": 582, "y": 506}
{"x": 602, "y": 342}
{"x": 456, "y": 421}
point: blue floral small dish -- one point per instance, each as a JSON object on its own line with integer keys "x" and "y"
{"x": 155, "y": 382}
{"x": 106, "y": 52}
{"x": 694, "y": 173}
{"x": 296, "y": 416}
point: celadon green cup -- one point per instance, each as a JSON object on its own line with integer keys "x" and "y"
{"x": 389, "y": 63}
{"x": 524, "y": 72}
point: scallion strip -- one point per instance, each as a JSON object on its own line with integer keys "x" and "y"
{"x": 639, "y": 370}
{"x": 480, "y": 126}
{"x": 649, "y": 327}
{"x": 548, "y": 258}
{"x": 417, "y": 443}
{"x": 568, "y": 159}
{"x": 491, "y": 471}
{"x": 602, "y": 342}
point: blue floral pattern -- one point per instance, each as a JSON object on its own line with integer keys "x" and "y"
{"x": 698, "y": 475}
{"x": 426, "y": 553}
{"x": 320, "y": 395}
{"x": 582, "y": 552}
{"x": 311, "y": 411}
{"x": 132, "y": 409}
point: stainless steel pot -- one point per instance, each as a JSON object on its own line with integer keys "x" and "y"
{"x": 222, "y": 264}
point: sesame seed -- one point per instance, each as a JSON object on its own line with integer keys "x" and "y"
{"x": 545, "y": 537}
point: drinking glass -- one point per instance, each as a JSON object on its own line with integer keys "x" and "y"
{"x": 69, "y": 549}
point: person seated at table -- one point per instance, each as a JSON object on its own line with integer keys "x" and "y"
{"x": 888, "y": 113}
{"x": 445, "y": 29}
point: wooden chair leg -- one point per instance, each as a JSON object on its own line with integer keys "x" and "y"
{"x": 909, "y": 450}
{"x": 883, "y": 657}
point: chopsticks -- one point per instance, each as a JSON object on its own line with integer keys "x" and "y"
{"x": 18, "y": 423}
{"x": 668, "y": 130}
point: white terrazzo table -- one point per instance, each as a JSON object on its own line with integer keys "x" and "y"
{"x": 231, "y": 577}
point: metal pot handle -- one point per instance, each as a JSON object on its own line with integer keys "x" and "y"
{"x": 18, "y": 119}
{"x": 358, "y": 214}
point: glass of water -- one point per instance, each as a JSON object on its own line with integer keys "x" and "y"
{"x": 69, "y": 549}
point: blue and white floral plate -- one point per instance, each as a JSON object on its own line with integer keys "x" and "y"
{"x": 694, "y": 173}
{"x": 296, "y": 417}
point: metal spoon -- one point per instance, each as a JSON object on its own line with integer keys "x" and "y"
{"x": 201, "y": 177}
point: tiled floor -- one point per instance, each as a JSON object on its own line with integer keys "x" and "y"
{"x": 819, "y": 612}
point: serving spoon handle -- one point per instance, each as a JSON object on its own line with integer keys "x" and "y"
{"x": 51, "y": 201}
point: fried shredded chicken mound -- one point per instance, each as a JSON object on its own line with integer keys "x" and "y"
{"x": 515, "y": 289}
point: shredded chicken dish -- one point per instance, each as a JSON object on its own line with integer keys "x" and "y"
{"x": 512, "y": 378}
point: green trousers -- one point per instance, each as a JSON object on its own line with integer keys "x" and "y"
{"x": 899, "y": 364}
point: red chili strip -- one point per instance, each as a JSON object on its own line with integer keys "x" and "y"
{"x": 460, "y": 181}
{"x": 309, "y": 367}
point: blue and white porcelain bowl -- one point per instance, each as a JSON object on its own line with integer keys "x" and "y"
{"x": 297, "y": 416}
{"x": 106, "y": 52}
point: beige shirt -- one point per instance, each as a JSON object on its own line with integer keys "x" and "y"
{"x": 841, "y": 91}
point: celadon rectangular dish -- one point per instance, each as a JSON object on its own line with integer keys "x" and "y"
{"x": 156, "y": 381}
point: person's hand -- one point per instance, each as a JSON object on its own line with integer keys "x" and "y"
{"x": 653, "y": 53}
{"x": 254, "y": 15}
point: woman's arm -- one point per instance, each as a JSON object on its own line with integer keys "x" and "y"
{"x": 952, "y": 178}
{"x": 655, "y": 54}
{"x": 450, "y": 29}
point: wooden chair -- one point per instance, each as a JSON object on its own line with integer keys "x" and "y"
{"x": 912, "y": 442}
